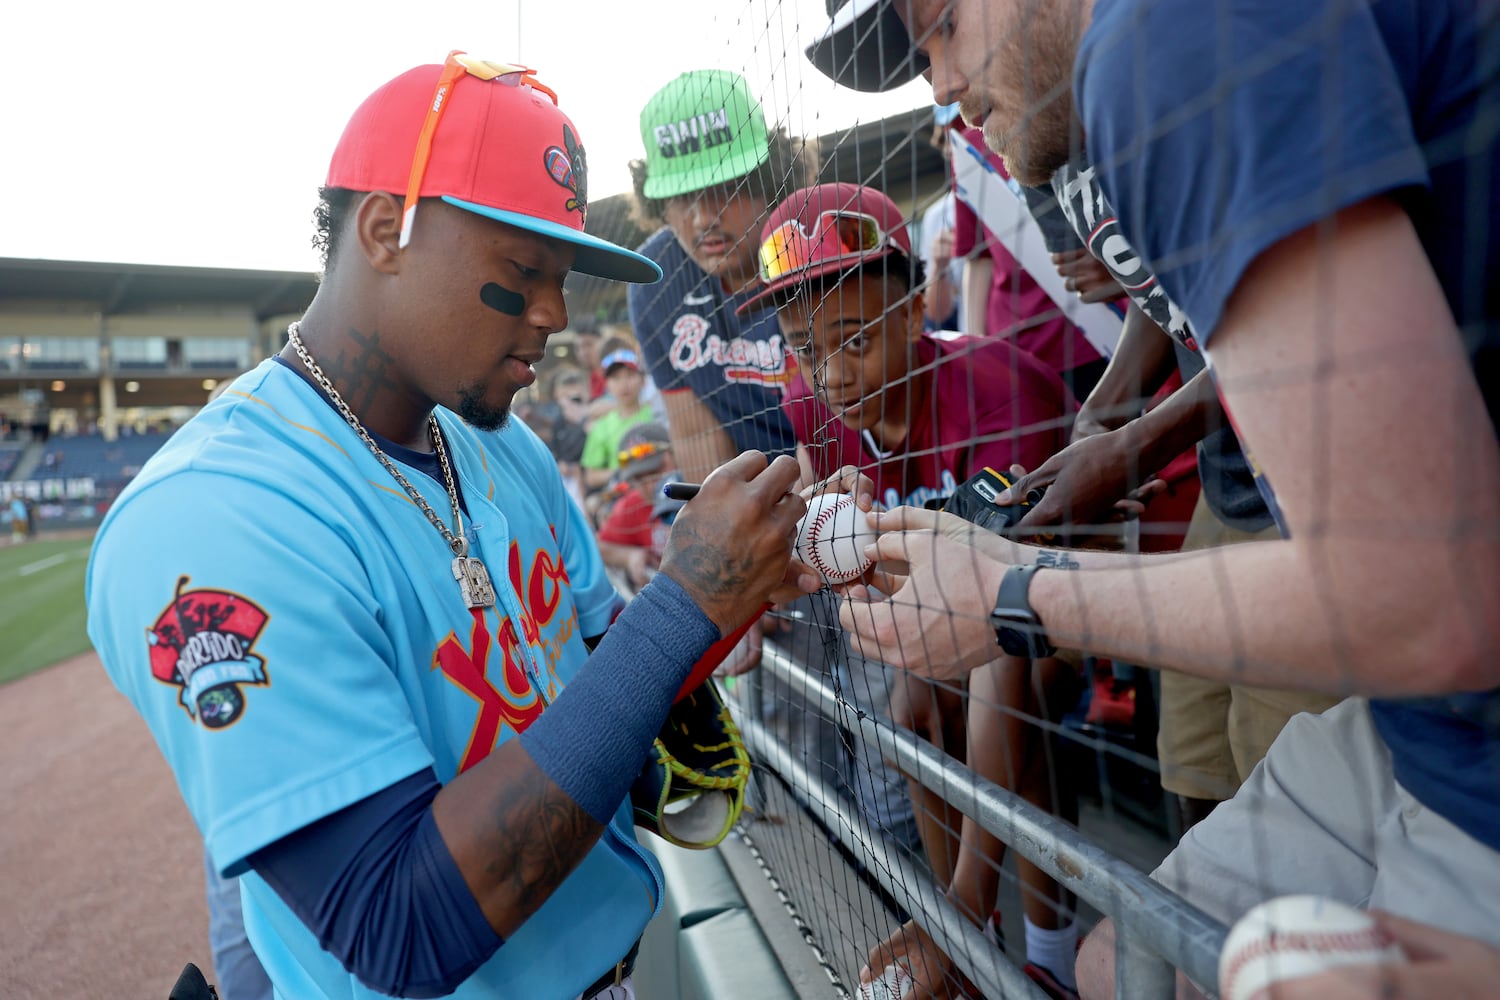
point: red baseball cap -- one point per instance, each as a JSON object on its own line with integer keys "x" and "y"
{"x": 825, "y": 229}
{"x": 502, "y": 149}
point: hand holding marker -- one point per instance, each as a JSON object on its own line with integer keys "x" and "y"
{"x": 831, "y": 536}
{"x": 680, "y": 491}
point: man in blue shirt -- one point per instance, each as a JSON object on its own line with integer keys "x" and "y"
{"x": 1314, "y": 184}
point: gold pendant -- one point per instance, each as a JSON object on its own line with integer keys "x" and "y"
{"x": 474, "y": 582}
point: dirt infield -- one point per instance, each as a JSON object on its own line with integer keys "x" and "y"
{"x": 100, "y": 866}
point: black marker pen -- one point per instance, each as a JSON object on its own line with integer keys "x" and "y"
{"x": 680, "y": 491}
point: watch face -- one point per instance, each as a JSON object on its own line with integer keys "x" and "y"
{"x": 1013, "y": 642}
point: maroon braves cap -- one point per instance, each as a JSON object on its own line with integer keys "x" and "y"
{"x": 821, "y": 230}
{"x": 501, "y": 148}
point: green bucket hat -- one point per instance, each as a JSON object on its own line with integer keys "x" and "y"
{"x": 701, "y": 129}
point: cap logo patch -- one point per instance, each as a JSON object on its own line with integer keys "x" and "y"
{"x": 692, "y": 135}
{"x": 202, "y": 642}
{"x": 566, "y": 166}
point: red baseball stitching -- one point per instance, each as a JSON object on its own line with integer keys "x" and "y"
{"x": 1370, "y": 939}
{"x": 814, "y": 532}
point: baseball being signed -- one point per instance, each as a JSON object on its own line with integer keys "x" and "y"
{"x": 832, "y": 536}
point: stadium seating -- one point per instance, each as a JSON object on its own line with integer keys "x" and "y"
{"x": 90, "y": 455}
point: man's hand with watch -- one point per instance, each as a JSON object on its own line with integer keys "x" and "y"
{"x": 939, "y": 621}
{"x": 1018, "y": 630}
{"x": 927, "y": 608}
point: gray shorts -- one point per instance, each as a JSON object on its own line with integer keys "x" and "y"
{"x": 1323, "y": 814}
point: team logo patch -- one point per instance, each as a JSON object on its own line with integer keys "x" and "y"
{"x": 202, "y": 643}
{"x": 566, "y": 165}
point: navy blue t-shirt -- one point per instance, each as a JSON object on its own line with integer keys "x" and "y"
{"x": 1268, "y": 116}
{"x": 692, "y": 339}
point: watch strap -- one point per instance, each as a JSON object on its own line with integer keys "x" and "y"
{"x": 1018, "y": 630}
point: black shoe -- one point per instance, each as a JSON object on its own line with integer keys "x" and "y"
{"x": 192, "y": 986}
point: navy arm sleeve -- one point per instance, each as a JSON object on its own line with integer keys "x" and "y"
{"x": 593, "y": 740}
{"x": 393, "y": 907}
{"x": 378, "y": 887}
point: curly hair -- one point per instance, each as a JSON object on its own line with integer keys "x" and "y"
{"x": 329, "y": 221}
{"x": 791, "y": 164}
{"x": 906, "y": 269}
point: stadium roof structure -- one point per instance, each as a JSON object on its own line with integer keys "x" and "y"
{"x": 32, "y": 290}
{"x": 136, "y": 288}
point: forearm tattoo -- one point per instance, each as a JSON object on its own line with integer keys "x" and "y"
{"x": 705, "y": 568}
{"x": 1053, "y": 559}
{"x": 542, "y": 836}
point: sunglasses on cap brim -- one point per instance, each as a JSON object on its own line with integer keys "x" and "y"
{"x": 835, "y": 235}
{"x": 457, "y": 66}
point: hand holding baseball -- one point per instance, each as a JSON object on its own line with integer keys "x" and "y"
{"x": 1293, "y": 937}
{"x": 1440, "y": 965}
{"x": 913, "y": 968}
{"x": 952, "y": 569}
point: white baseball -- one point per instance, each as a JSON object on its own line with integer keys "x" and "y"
{"x": 832, "y": 536}
{"x": 1295, "y": 936}
{"x": 892, "y": 984}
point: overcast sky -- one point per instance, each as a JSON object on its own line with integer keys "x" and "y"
{"x": 190, "y": 133}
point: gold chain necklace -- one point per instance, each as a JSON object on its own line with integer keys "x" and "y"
{"x": 473, "y": 579}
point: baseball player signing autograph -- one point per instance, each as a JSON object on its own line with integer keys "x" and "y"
{"x": 365, "y": 623}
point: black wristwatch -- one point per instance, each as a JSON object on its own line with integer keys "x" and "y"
{"x": 1018, "y": 630}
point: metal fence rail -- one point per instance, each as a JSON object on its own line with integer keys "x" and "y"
{"x": 962, "y": 940}
{"x": 1157, "y": 930}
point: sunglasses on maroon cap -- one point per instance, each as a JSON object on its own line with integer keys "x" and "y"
{"x": 836, "y": 234}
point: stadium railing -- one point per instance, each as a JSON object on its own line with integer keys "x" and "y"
{"x": 1158, "y": 931}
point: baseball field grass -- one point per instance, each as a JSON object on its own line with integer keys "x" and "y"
{"x": 41, "y": 604}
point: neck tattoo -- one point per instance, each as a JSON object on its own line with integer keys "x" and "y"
{"x": 473, "y": 579}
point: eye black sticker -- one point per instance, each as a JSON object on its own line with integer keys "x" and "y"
{"x": 502, "y": 299}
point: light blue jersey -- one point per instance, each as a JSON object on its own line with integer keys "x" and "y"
{"x": 286, "y": 620}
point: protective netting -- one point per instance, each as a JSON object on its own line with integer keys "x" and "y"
{"x": 877, "y": 288}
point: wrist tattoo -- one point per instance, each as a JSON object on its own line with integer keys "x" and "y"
{"x": 1050, "y": 559}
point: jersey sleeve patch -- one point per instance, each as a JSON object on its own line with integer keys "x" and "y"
{"x": 203, "y": 642}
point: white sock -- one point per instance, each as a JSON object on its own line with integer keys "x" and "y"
{"x": 1055, "y": 951}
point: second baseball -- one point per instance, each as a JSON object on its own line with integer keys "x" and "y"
{"x": 832, "y": 536}
{"x": 892, "y": 985}
{"x": 1295, "y": 936}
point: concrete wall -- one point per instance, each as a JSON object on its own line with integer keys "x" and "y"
{"x": 721, "y": 934}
